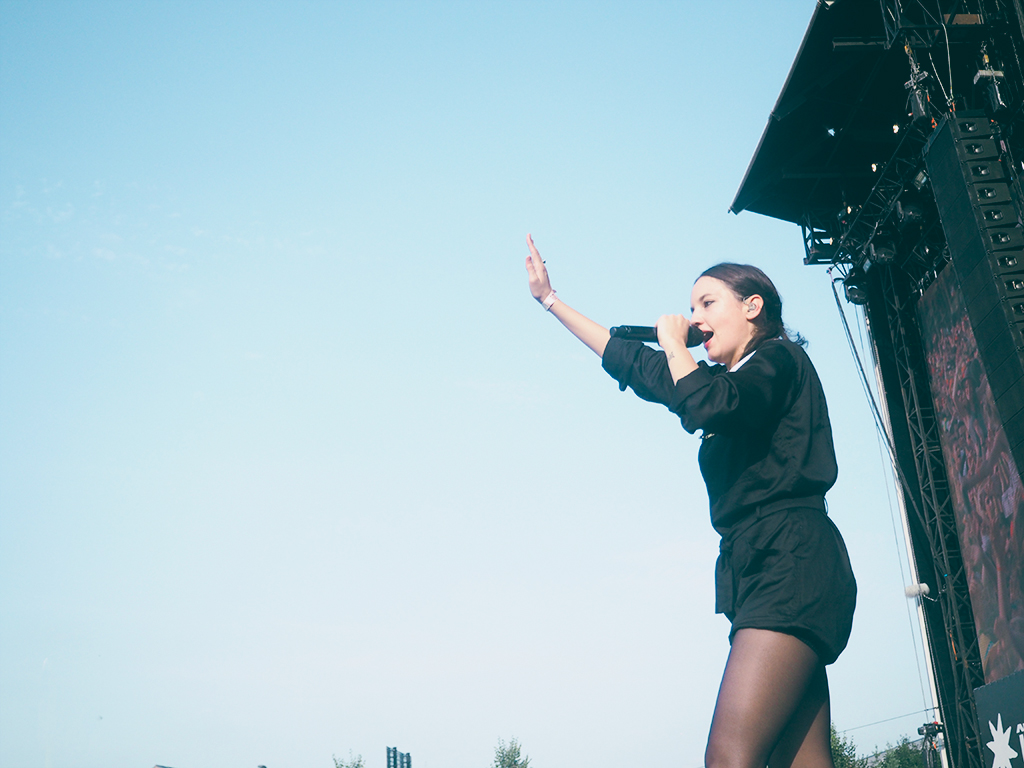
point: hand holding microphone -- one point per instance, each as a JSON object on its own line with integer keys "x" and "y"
{"x": 694, "y": 335}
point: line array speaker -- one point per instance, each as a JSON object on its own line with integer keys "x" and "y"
{"x": 980, "y": 216}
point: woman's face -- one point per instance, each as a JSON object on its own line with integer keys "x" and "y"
{"x": 716, "y": 309}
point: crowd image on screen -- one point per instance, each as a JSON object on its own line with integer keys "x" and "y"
{"x": 985, "y": 482}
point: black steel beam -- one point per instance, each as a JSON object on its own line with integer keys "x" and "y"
{"x": 949, "y": 621}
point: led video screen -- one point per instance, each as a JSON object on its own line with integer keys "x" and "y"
{"x": 985, "y": 482}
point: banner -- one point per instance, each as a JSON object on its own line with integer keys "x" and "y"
{"x": 1001, "y": 721}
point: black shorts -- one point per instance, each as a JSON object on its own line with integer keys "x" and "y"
{"x": 789, "y": 572}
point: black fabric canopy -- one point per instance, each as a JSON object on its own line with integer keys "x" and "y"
{"x": 832, "y": 121}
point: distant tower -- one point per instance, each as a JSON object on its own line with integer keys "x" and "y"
{"x": 398, "y": 759}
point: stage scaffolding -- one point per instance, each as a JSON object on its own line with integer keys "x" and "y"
{"x": 870, "y": 149}
{"x": 950, "y": 630}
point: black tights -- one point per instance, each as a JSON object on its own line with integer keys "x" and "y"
{"x": 772, "y": 707}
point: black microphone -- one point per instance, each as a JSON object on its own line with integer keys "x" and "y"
{"x": 694, "y": 335}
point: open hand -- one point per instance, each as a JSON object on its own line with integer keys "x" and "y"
{"x": 540, "y": 284}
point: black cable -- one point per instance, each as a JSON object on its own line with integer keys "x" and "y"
{"x": 899, "y": 557}
{"x": 887, "y": 720}
{"x": 875, "y": 411}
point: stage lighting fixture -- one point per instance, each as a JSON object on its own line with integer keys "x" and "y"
{"x": 895, "y": 128}
{"x": 883, "y": 250}
{"x": 930, "y": 730}
{"x": 920, "y": 180}
{"x": 854, "y": 293}
{"x": 846, "y": 214}
{"x": 909, "y": 212}
{"x": 874, "y": 167}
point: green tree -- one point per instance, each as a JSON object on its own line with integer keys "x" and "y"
{"x": 508, "y": 755}
{"x": 844, "y": 751}
{"x": 903, "y": 755}
{"x": 352, "y": 762}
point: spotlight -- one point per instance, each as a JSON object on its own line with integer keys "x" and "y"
{"x": 930, "y": 730}
{"x": 883, "y": 250}
{"x": 854, "y": 293}
{"x": 846, "y": 214}
{"x": 909, "y": 212}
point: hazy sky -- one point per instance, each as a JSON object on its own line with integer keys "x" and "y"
{"x": 291, "y": 464}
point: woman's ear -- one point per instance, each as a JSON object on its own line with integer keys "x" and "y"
{"x": 753, "y": 305}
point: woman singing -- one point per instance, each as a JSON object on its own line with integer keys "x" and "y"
{"x": 783, "y": 577}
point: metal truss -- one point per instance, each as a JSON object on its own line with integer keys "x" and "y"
{"x": 932, "y": 503}
{"x": 922, "y": 24}
{"x": 905, "y": 164}
{"x": 923, "y": 262}
{"x": 818, "y": 245}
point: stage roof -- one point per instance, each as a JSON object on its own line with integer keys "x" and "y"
{"x": 833, "y": 119}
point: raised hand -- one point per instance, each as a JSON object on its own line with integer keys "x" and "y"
{"x": 540, "y": 284}
{"x": 583, "y": 328}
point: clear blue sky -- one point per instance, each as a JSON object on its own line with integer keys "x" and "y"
{"x": 291, "y": 464}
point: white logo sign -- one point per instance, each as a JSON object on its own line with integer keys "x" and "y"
{"x": 1002, "y": 752}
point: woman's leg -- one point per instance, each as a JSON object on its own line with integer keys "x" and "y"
{"x": 805, "y": 741}
{"x": 772, "y": 706}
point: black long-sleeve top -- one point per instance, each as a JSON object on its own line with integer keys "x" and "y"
{"x": 766, "y": 438}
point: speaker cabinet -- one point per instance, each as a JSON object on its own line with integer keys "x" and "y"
{"x": 980, "y": 213}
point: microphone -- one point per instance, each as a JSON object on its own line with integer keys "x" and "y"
{"x": 694, "y": 336}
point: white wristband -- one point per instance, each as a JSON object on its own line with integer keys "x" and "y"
{"x": 549, "y": 301}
